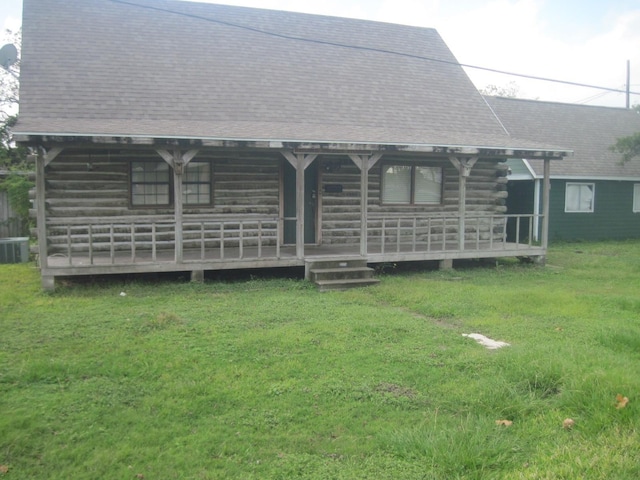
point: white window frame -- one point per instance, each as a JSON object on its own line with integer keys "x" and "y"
{"x": 636, "y": 198}
{"x": 189, "y": 183}
{"x": 146, "y": 185}
{"x": 592, "y": 186}
{"x": 413, "y": 185}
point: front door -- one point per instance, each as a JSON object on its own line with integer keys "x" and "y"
{"x": 310, "y": 206}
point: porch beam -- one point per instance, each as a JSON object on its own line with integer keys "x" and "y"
{"x": 187, "y": 157}
{"x": 170, "y": 157}
{"x": 464, "y": 166}
{"x": 166, "y": 155}
{"x": 51, "y": 154}
{"x": 294, "y": 159}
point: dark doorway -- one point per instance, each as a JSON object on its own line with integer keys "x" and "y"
{"x": 520, "y": 201}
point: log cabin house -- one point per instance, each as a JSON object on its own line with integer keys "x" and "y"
{"x": 178, "y": 136}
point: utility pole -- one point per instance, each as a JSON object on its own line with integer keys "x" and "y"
{"x": 628, "y": 84}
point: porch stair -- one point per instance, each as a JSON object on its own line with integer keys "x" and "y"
{"x": 340, "y": 273}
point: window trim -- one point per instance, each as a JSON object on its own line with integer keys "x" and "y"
{"x": 169, "y": 183}
{"x": 635, "y": 206}
{"x": 593, "y": 199}
{"x": 209, "y": 182}
{"x": 412, "y": 187}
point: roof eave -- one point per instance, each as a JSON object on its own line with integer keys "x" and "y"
{"x": 302, "y": 146}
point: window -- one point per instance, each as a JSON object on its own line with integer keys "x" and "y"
{"x": 196, "y": 183}
{"x": 579, "y": 197}
{"x": 150, "y": 184}
{"x": 636, "y": 198}
{"x": 411, "y": 185}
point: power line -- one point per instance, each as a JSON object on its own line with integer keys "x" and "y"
{"x": 368, "y": 49}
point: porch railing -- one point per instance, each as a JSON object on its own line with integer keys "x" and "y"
{"x": 153, "y": 239}
{"x": 426, "y": 233}
{"x": 122, "y": 240}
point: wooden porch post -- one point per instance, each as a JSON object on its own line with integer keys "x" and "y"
{"x": 43, "y": 158}
{"x": 300, "y": 206}
{"x": 41, "y": 205}
{"x": 364, "y": 163}
{"x": 300, "y": 162}
{"x": 464, "y": 166}
{"x": 177, "y": 161}
{"x": 546, "y": 188}
{"x": 536, "y": 209}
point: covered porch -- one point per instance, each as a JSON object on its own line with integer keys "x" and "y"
{"x": 115, "y": 244}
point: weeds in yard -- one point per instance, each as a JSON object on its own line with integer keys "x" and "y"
{"x": 271, "y": 379}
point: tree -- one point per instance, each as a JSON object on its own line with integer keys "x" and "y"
{"x": 629, "y": 146}
{"x": 9, "y": 79}
{"x": 12, "y": 157}
{"x": 510, "y": 90}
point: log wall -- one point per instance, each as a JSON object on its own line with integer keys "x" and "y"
{"x": 486, "y": 195}
{"x": 94, "y": 187}
{"x": 90, "y": 187}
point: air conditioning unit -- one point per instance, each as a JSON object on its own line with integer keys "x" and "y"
{"x": 14, "y": 250}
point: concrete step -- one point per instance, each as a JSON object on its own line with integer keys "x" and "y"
{"x": 348, "y": 262}
{"x": 340, "y": 273}
{"x": 343, "y": 284}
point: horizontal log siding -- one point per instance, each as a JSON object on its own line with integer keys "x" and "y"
{"x": 94, "y": 188}
{"x": 486, "y": 195}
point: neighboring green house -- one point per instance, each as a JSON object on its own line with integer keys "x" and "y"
{"x": 594, "y": 196}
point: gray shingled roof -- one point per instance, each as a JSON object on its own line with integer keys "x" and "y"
{"x": 160, "y": 68}
{"x": 587, "y": 130}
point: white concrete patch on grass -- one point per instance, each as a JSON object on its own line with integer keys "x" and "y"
{"x": 486, "y": 341}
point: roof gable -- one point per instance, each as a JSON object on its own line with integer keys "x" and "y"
{"x": 589, "y": 131}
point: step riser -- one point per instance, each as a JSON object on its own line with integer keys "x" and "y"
{"x": 340, "y": 274}
{"x": 345, "y": 286}
{"x": 331, "y": 264}
{"x": 337, "y": 275}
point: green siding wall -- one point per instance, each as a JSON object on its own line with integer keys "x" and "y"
{"x": 613, "y": 216}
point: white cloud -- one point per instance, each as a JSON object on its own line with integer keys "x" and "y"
{"x": 513, "y": 36}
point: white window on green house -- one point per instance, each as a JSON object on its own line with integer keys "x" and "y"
{"x": 411, "y": 185}
{"x": 196, "y": 183}
{"x": 150, "y": 184}
{"x": 579, "y": 197}
{"x": 636, "y": 198}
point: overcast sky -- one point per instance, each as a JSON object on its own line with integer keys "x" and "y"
{"x": 582, "y": 41}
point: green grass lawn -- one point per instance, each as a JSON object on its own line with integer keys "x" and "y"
{"x": 270, "y": 379}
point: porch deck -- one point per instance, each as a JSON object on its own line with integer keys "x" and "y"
{"x": 164, "y": 261}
